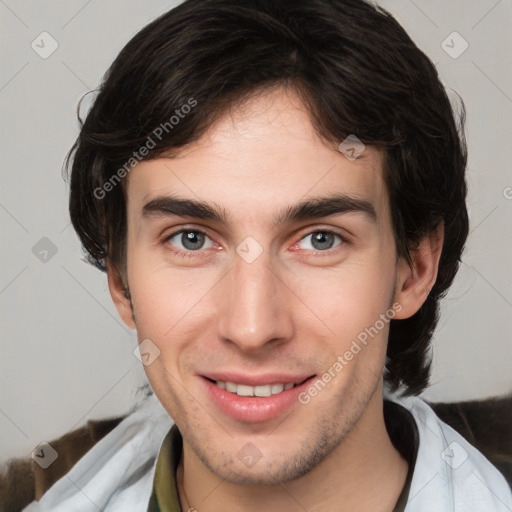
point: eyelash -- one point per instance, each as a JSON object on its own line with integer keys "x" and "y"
{"x": 184, "y": 254}
{"x": 201, "y": 253}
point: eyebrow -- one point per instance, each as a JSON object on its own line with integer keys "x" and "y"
{"x": 326, "y": 206}
{"x": 313, "y": 208}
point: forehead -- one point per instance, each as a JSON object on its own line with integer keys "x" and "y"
{"x": 258, "y": 157}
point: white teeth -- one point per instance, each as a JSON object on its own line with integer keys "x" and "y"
{"x": 243, "y": 390}
{"x": 277, "y": 388}
{"x": 261, "y": 391}
{"x": 230, "y": 386}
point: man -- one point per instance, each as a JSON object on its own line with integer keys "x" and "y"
{"x": 276, "y": 191}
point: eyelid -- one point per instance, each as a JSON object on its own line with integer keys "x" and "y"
{"x": 316, "y": 228}
{"x": 181, "y": 229}
{"x": 184, "y": 252}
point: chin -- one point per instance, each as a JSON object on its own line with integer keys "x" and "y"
{"x": 249, "y": 466}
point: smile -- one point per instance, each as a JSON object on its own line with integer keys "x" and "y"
{"x": 254, "y": 399}
{"x": 261, "y": 391}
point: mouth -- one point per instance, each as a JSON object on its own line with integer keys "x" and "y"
{"x": 254, "y": 399}
{"x": 261, "y": 391}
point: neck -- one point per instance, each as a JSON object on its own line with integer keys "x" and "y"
{"x": 365, "y": 472}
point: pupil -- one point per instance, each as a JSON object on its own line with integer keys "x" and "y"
{"x": 323, "y": 240}
{"x": 192, "y": 240}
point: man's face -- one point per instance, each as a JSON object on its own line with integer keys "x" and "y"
{"x": 258, "y": 297}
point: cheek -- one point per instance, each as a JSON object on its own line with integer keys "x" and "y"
{"x": 167, "y": 301}
{"x": 350, "y": 302}
{"x": 349, "y": 297}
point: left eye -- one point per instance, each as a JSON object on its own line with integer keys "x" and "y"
{"x": 321, "y": 240}
{"x": 190, "y": 240}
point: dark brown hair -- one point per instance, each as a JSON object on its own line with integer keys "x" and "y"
{"x": 356, "y": 70}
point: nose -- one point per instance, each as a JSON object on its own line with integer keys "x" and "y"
{"x": 254, "y": 306}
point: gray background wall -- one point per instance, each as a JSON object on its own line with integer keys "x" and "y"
{"x": 65, "y": 355}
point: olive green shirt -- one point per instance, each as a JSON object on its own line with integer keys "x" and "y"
{"x": 399, "y": 423}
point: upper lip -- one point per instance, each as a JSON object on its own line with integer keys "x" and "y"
{"x": 256, "y": 380}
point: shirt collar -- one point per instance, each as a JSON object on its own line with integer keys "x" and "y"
{"x": 165, "y": 496}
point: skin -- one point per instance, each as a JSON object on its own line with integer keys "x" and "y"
{"x": 295, "y": 309}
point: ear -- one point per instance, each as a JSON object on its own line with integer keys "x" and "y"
{"x": 118, "y": 294}
{"x": 415, "y": 280}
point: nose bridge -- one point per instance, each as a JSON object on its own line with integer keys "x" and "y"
{"x": 251, "y": 310}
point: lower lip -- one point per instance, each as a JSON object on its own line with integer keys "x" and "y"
{"x": 254, "y": 409}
